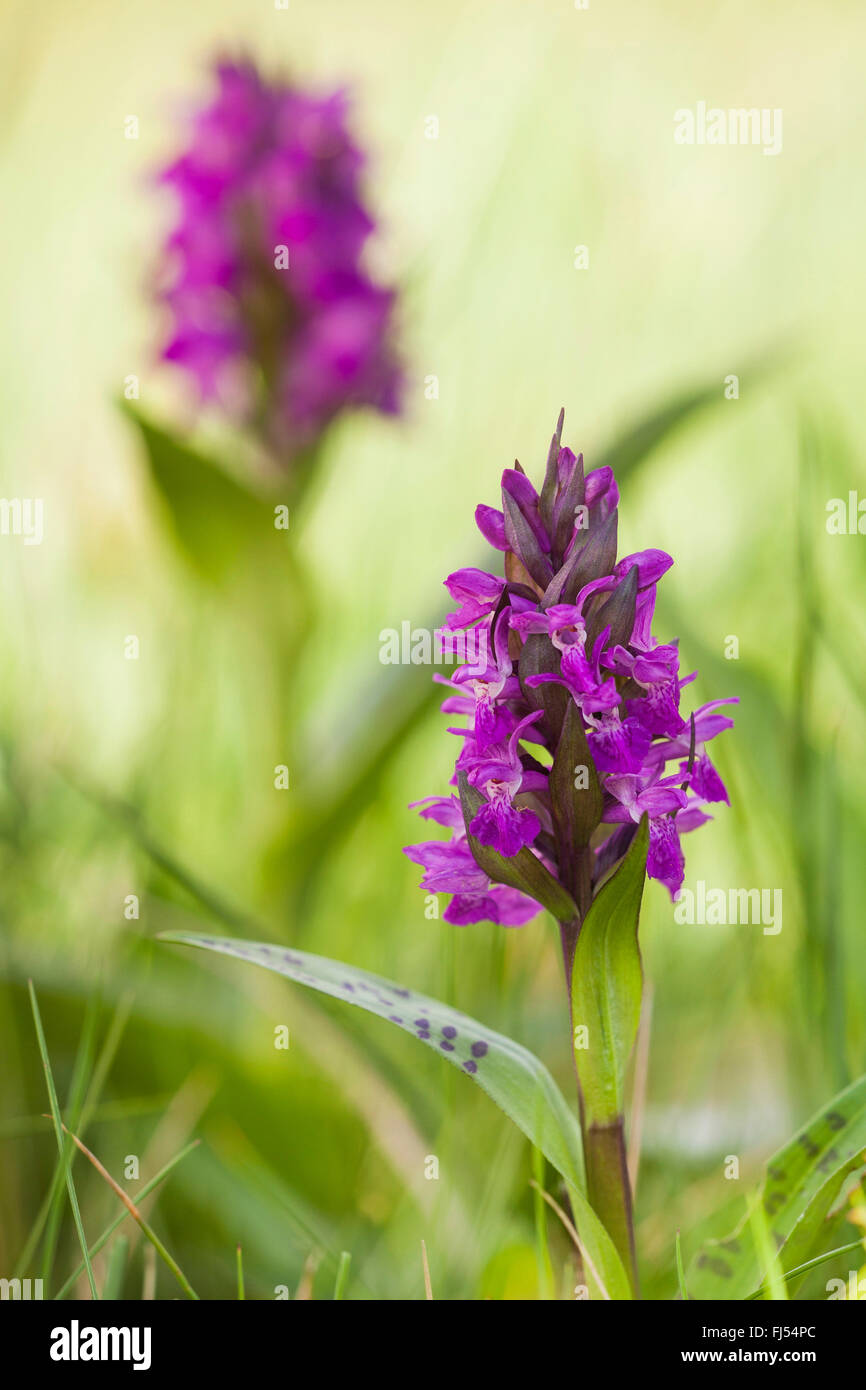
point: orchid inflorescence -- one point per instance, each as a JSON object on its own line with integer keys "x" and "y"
{"x": 573, "y": 725}
{"x": 273, "y": 313}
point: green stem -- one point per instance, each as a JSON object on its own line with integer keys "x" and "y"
{"x": 604, "y": 1147}
{"x": 609, "y": 1190}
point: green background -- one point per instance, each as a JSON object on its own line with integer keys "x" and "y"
{"x": 555, "y": 130}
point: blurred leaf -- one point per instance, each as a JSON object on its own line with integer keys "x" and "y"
{"x": 218, "y": 524}
{"x": 606, "y": 985}
{"x": 511, "y": 1075}
{"x": 681, "y": 1274}
{"x": 768, "y": 1255}
{"x": 803, "y": 1180}
{"x": 512, "y": 1274}
{"x": 113, "y": 1286}
{"x": 636, "y": 443}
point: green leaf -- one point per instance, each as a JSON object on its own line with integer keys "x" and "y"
{"x": 802, "y": 1182}
{"x": 606, "y": 985}
{"x": 511, "y": 1075}
{"x": 522, "y": 870}
{"x": 218, "y": 524}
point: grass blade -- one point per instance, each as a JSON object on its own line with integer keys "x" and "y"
{"x": 80, "y": 1075}
{"x": 545, "y": 1268}
{"x": 137, "y": 1217}
{"x": 767, "y": 1254}
{"x": 568, "y": 1224}
{"x": 681, "y": 1274}
{"x": 342, "y": 1275}
{"x": 58, "y": 1130}
{"x": 113, "y": 1286}
{"x": 100, "y": 1075}
{"x": 109, "y": 1230}
{"x": 428, "y": 1287}
{"x": 804, "y": 1268}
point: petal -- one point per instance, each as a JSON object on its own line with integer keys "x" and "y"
{"x": 619, "y": 745}
{"x": 665, "y": 858}
{"x": 518, "y": 486}
{"x": 658, "y": 800}
{"x": 503, "y": 827}
{"x": 491, "y": 523}
{"x": 474, "y": 584}
{"x": 651, "y": 565}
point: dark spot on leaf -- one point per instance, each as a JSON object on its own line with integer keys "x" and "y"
{"x": 395, "y": 1018}
{"x": 479, "y": 1049}
{"x": 449, "y": 1032}
{"x": 447, "y": 1046}
{"x": 470, "y": 1066}
{"x": 835, "y": 1120}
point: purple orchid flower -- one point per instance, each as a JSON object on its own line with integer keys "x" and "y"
{"x": 450, "y": 868}
{"x": 499, "y": 773}
{"x": 476, "y": 592}
{"x": 581, "y": 676}
{"x": 634, "y": 794}
{"x": 491, "y": 687}
{"x": 569, "y": 633}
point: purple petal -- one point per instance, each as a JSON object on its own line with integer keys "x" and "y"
{"x": 503, "y": 827}
{"x": 491, "y": 524}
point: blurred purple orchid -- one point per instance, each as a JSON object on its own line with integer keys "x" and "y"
{"x": 273, "y": 314}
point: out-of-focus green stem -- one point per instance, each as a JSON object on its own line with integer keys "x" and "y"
{"x": 609, "y": 1189}
{"x": 604, "y": 1147}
